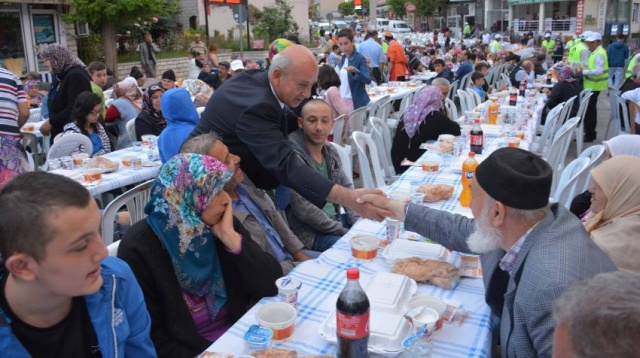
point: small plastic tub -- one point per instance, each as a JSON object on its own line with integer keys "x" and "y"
{"x": 417, "y": 198}
{"x": 431, "y": 166}
{"x": 423, "y": 316}
{"x": 127, "y": 159}
{"x": 29, "y": 127}
{"x": 79, "y": 158}
{"x": 364, "y": 247}
{"x": 288, "y": 288}
{"x": 136, "y": 162}
{"x": 279, "y": 317}
{"x": 258, "y": 338}
{"x": 513, "y": 142}
{"x": 92, "y": 175}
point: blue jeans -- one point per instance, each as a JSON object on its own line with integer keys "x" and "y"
{"x": 324, "y": 241}
{"x": 618, "y": 73}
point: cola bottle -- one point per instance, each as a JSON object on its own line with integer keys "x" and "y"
{"x": 476, "y": 141}
{"x": 352, "y": 318}
{"x": 523, "y": 88}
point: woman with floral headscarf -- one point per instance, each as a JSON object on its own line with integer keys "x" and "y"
{"x": 150, "y": 119}
{"x": 566, "y": 88}
{"x": 70, "y": 78}
{"x": 423, "y": 120}
{"x": 126, "y": 106}
{"x": 198, "y": 274}
{"x": 614, "y": 220}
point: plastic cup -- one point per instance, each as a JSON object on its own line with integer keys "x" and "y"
{"x": 513, "y": 142}
{"x": 279, "y": 317}
{"x": 127, "y": 159}
{"x": 364, "y": 247}
{"x": 54, "y": 164}
{"x": 91, "y": 175}
{"x": 520, "y": 135}
{"x": 288, "y": 288}
{"x": 29, "y": 127}
{"x": 424, "y": 316}
{"x": 79, "y": 158}
{"x": 431, "y": 166}
{"x": 393, "y": 230}
{"x": 136, "y": 162}
{"x": 66, "y": 163}
{"x": 417, "y": 198}
{"x": 137, "y": 146}
{"x": 149, "y": 141}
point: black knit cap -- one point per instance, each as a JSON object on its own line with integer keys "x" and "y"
{"x": 517, "y": 178}
{"x": 169, "y": 75}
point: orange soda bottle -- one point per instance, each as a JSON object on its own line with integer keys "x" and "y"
{"x": 468, "y": 172}
{"x": 493, "y": 109}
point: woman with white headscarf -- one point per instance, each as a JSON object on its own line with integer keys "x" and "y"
{"x": 423, "y": 120}
{"x": 70, "y": 78}
{"x": 126, "y": 107}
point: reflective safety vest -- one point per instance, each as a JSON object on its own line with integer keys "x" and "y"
{"x": 632, "y": 64}
{"x": 597, "y": 83}
{"x": 494, "y": 46}
{"x": 575, "y": 51}
{"x": 548, "y": 45}
{"x": 569, "y": 44}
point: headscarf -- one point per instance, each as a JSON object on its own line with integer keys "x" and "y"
{"x": 62, "y": 61}
{"x": 277, "y": 46}
{"x": 615, "y": 229}
{"x": 147, "y": 105}
{"x": 198, "y": 87}
{"x": 429, "y": 99}
{"x": 182, "y": 191}
{"x": 564, "y": 73}
{"x": 128, "y": 88}
{"x": 623, "y": 144}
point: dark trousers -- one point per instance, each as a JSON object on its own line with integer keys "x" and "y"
{"x": 377, "y": 76}
{"x": 591, "y": 117}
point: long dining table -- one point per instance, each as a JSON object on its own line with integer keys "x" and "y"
{"x": 323, "y": 278}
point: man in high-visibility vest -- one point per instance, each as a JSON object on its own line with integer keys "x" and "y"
{"x": 632, "y": 63}
{"x": 571, "y": 43}
{"x": 579, "y": 53}
{"x": 467, "y": 30}
{"x": 548, "y": 43}
{"x": 494, "y": 46}
{"x": 595, "y": 77}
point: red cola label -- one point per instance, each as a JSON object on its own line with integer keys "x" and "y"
{"x": 476, "y": 139}
{"x": 352, "y": 327}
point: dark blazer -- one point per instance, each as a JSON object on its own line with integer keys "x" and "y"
{"x": 561, "y": 92}
{"x": 430, "y": 128}
{"x": 76, "y": 81}
{"x": 247, "y": 115}
{"x": 248, "y": 276}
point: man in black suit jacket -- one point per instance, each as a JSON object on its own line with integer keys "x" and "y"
{"x": 249, "y": 114}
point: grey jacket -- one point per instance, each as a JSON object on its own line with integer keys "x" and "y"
{"x": 555, "y": 255}
{"x": 144, "y": 53}
{"x": 257, "y": 231}
{"x": 305, "y": 219}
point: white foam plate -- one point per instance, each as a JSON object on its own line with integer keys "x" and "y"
{"x": 402, "y": 249}
{"x": 389, "y": 292}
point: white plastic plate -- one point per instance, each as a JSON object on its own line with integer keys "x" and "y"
{"x": 402, "y": 249}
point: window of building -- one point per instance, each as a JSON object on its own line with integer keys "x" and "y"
{"x": 634, "y": 12}
{"x": 11, "y": 45}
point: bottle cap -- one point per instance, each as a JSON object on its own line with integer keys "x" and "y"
{"x": 477, "y": 120}
{"x": 472, "y": 154}
{"x": 353, "y": 274}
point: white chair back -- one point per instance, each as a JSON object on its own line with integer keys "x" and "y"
{"x": 582, "y": 110}
{"x": 567, "y": 184}
{"x": 462, "y": 96}
{"x": 338, "y": 128}
{"x": 382, "y": 137}
{"x": 34, "y": 115}
{"x": 134, "y": 199}
{"x": 565, "y": 112}
{"x": 452, "y": 90}
{"x": 560, "y": 147}
{"x": 464, "y": 84}
{"x": 595, "y": 154}
{"x": 368, "y": 158}
{"x": 131, "y": 129}
{"x": 200, "y": 110}
{"x": 112, "y": 248}
{"x": 68, "y": 144}
{"x": 357, "y": 119}
{"x": 475, "y": 97}
{"x": 619, "y": 113}
{"x": 540, "y": 146}
{"x": 345, "y": 159}
{"x": 108, "y": 93}
{"x": 451, "y": 108}
{"x": 373, "y": 107}
{"x": 108, "y": 102}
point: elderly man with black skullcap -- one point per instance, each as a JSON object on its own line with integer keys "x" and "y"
{"x": 530, "y": 250}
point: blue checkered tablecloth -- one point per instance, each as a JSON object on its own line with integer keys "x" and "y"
{"x": 323, "y": 279}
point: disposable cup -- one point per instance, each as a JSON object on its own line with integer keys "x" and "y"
{"x": 288, "y": 288}
{"x": 364, "y": 247}
{"x": 279, "y": 317}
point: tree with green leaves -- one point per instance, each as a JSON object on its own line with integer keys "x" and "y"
{"x": 275, "y": 21}
{"x": 425, "y": 8}
{"x": 397, "y": 7}
{"x": 346, "y": 8}
{"x": 109, "y": 15}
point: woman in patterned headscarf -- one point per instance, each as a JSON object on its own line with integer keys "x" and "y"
{"x": 126, "y": 107}
{"x": 197, "y": 273}
{"x": 566, "y": 88}
{"x": 150, "y": 119}
{"x": 70, "y": 78}
{"x": 424, "y": 120}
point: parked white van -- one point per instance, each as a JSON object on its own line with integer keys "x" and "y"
{"x": 398, "y": 26}
{"x": 382, "y": 24}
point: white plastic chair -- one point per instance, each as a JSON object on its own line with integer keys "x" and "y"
{"x": 357, "y": 119}
{"x": 384, "y": 110}
{"x": 338, "y": 128}
{"x": 540, "y": 145}
{"x": 68, "y": 144}
{"x": 568, "y": 182}
{"x": 108, "y": 102}
{"x": 595, "y": 154}
{"x": 565, "y": 112}
{"x": 451, "y": 107}
{"x": 452, "y": 90}
{"x": 113, "y": 248}
{"x": 131, "y": 129}
{"x": 373, "y": 107}
{"x": 560, "y": 147}
{"x": 464, "y": 84}
{"x": 582, "y": 110}
{"x": 620, "y": 108}
{"x": 345, "y": 158}
{"x": 464, "y": 101}
{"x": 382, "y": 137}
{"x": 364, "y": 144}
{"x": 394, "y": 119}
{"x": 134, "y": 199}
{"x": 200, "y": 110}
{"x": 475, "y": 97}
{"x": 34, "y": 115}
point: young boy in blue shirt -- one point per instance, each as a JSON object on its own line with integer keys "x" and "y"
{"x": 60, "y": 295}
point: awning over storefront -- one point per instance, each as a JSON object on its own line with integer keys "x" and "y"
{"x": 526, "y": 2}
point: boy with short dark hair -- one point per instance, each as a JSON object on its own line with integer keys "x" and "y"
{"x": 98, "y": 72}
{"x": 60, "y": 295}
{"x": 477, "y": 82}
